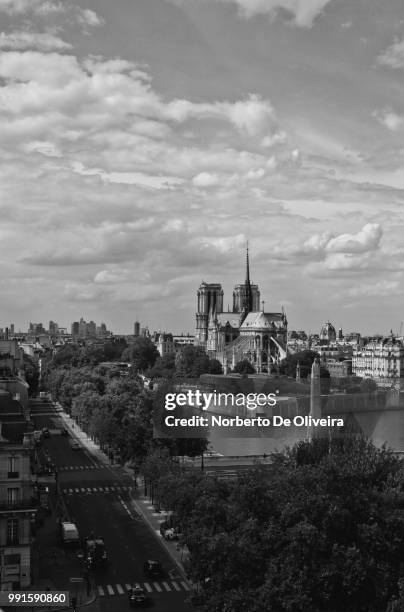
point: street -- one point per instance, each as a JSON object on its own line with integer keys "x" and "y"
{"x": 98, "y": 500}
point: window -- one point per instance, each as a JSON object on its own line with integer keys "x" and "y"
{"x": 12, "y": 531}
{"x": 13, "y": 496}
{"x": 13, "y": 467}
{"x": 11, "y": 559}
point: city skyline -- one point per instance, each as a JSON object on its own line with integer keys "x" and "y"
{"x": 143, "y": 144}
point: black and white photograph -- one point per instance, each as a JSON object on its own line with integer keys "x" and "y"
{"x": 202, "y": 305}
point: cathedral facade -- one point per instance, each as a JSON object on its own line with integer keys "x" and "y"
{"x": 245, "y": 332}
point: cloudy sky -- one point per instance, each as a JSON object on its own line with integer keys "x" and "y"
{"x": 142, "y": 142}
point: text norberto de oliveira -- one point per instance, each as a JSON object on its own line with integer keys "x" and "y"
{"x": 259, "y": 421}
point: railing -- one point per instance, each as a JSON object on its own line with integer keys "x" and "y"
{"x": 18, "y": 504}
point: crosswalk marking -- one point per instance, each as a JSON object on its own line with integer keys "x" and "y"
{"x": 70, "y": 468}
{"x": 100, "y": 489}
{"x": 164, "y": 586}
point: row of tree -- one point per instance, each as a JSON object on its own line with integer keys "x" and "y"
{"x": 113, "y": 405}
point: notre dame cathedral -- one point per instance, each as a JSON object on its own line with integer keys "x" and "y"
{"x": 245, "y": 332}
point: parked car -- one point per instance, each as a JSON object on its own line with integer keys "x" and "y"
{"x": 46, "y": 432}
{"x": 169, "y": 532}
{"x": 38, "y": 437}
{"x": 95, "y": 552}
{"x": 153, "y": 568}
{"x": 74, "y": 445}
{"x": 137, "y": 597}
{"x": 64, "y": 432}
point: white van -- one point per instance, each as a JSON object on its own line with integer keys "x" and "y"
{"x": 69, "y": 534}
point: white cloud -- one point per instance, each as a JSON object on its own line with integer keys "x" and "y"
{"x": 304, "y": 11}
{"x": 393, "y": 56}
{"x": 32, "y": 40}
{"x": 49, "y": 149}
{"x": 389, "y": 118}
{"x": 205, "y": 179}
{"x": 367, "y": 239}
{"x": 252, "y": 117}
{"x": 129, "y": 178}
{"x": 13, "y": 7}
{"x": 86, "y": 17}
{"x": 43, "y": 8}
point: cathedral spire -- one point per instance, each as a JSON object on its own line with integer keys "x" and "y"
{"x": 247, "y": 276}
{"x": 248, "y": 296}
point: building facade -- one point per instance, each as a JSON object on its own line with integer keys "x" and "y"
{"x": 382, "y": 360}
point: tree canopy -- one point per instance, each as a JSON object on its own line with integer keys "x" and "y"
{"x": 142, "y": 353}
{"x": 322, "y": 530}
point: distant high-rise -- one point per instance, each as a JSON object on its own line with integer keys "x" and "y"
{"x": 75, "y": 328}
{"x": 53, "y": 328}
{"x": 36, "y": 328}
{"x": 12, "y": 329}
{"x": 136, "y": 329}
{"x": 91, "y": 329}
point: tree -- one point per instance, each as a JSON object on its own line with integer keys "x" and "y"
{"x": 163, "y": 368}
{"x": 321, "y": 531}
{"x": 142, "y": 353}
{"x": 215, "y": 367}
{"x": 244, "y": 367}
{"x": 304, "y": 358}
{"x": 368, "y": 385}
{"x": 31, "y": 373}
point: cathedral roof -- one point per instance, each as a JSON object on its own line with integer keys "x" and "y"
{"x": 233, "y": 318}
{"x": 262, "y": 320}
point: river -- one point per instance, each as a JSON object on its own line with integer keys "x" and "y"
{"x": 382, "y": 426}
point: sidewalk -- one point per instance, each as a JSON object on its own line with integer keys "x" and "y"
{"x": 82, "y": 437}
{"x": 153, "y": 519}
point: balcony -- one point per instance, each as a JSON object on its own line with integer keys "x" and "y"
{"x": 18, "y": 505}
